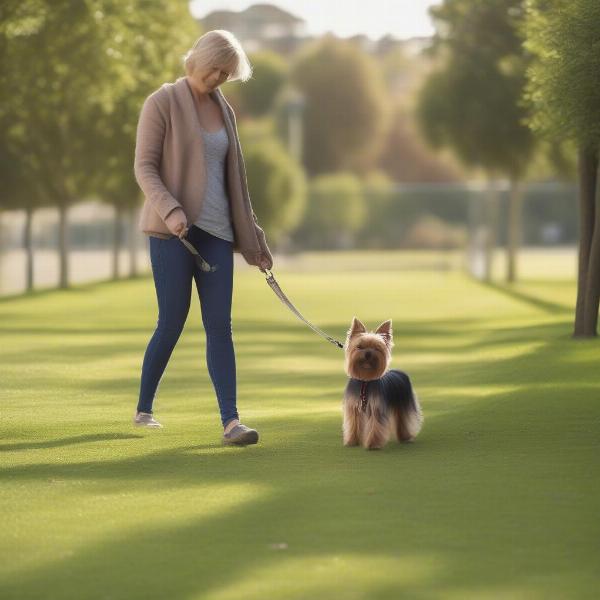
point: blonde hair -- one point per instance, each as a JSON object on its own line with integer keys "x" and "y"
{"x": 217, "y": 48}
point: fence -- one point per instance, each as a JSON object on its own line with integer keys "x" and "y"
{"x": 425, "y": 216}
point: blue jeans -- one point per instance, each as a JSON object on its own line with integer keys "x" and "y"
{"x": 173, "y": 267}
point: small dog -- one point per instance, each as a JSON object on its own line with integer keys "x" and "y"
{"x": 377, "y": 402}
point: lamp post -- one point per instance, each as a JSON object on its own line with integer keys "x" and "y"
{"x": 295, "y": 104}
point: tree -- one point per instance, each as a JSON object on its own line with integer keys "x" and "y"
{"x": 378, "y": 193}
{"x": 473, "y": 103}
{"x": 564, "y": 90}
{"x": 256, "y": 96}
{"x": 151, "y": 47}
{"x": 336, "y": 210}
{"x": 52, "y": 80}
{"x": 406, "y": 157}
{"x": 18, "y": 192}
{"x": 276, "y": 182}
{"x": 346, "y": 113}
{"x": 67, "y": 69}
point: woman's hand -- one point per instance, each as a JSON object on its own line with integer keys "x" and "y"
{"x": 264, "y": 263}
{"x": 176, "y": 222}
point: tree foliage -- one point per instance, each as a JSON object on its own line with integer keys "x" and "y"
{"x": 346, "y": 112}
{"x": 336, "y": 210}
{"x": 277, "y": 185}
{"x": 563, "y": 80}
{"x": 473, "y": 103}
{"x": 256, "y": 96}
{"x": 72, "y": 80}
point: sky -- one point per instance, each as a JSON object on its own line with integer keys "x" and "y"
{"x": 375, "y": 18}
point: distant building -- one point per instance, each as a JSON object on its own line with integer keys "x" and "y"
{"x": 265, "y": 26}
{"x": 260, "y": 26}
{"x": 414, "y": 46}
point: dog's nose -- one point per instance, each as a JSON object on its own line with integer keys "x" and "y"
{"x": 367, "y": 354}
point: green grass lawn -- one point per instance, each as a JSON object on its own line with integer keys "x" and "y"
{"x": 497, "y": 498}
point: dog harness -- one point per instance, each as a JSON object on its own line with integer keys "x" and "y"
{"x": 363, "y": 395}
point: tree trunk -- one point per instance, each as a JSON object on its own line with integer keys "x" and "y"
{"x": 491, "y": 219}
{"x": 116, "y": 245}
{"x": 133, "y": 237}
{"x": 471, "y": 239}
{"x": 588, "y": 173}
{"x": 1, "y": 252}
{"x": 28, "y": 246}
{"x": 592, "y": 286}
{"x": 63, "y": 245}
{"x": 513, "y": 241}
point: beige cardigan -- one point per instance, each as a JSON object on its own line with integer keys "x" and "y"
{"x": 169, "y": 168}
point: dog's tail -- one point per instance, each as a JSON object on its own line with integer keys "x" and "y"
{"x": 403, "y": 403}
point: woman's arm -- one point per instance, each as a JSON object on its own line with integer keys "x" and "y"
{"x": 148, "y": 152}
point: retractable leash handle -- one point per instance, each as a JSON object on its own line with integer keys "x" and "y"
{"x": 204, "y": 265}
{"x": 275, "y": 287}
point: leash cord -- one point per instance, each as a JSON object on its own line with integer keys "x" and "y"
{"x": 205, "y": 266}
{"x": 275, "y": 287}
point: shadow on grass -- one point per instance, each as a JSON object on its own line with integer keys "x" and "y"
{"x": 495, "y": 493}
{"x": 246, "y": 334}
{"x": 510, "y": 291}
{"x": 79, "y": 288}
{"x": 76, "y": 439}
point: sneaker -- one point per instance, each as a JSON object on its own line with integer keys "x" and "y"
{"x": 144, "y": 419}
{"x": 240, "y": 435}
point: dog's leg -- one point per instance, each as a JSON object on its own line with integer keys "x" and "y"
{"x": 408, "y": 421}
{"x": 350, "y": 428}
{"x": 376, "y": 433}
{"x": 377, "y": 428}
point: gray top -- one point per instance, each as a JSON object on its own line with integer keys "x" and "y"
{"x": 215, "y": 217}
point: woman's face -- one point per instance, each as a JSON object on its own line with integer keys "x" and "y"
{"x": 212, "y": 77}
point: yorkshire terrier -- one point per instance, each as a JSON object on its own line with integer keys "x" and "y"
{"x": 377, "y": 402}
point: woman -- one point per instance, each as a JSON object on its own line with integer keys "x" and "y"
{"x": 189, "y": 164}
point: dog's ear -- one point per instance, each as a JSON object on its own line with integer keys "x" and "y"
{"x": 356, "y": 327}
{"x": 385, "y": 331}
